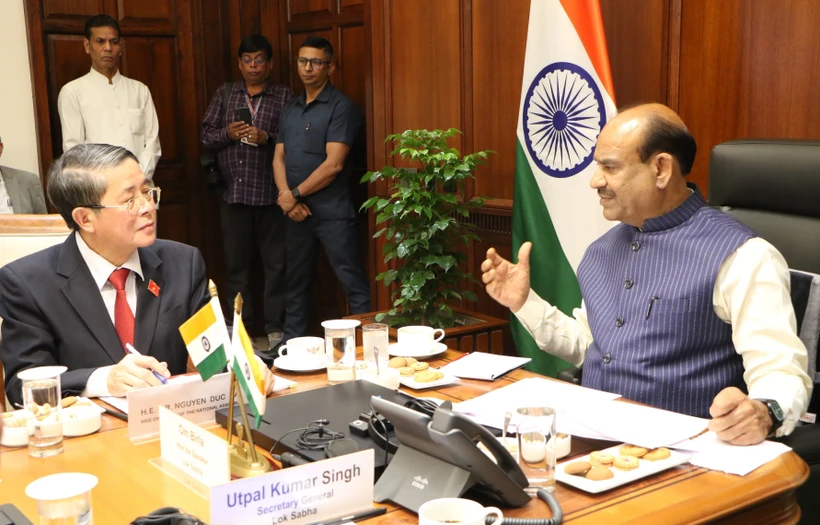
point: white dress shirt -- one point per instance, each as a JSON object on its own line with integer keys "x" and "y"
{"x": 120, "y": 113}
{"x": 101, "y": 270}
{"x": 5, "y": 200}
{"x": 751, "y": 293}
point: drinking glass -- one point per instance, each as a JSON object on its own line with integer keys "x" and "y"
{"x": 536, "y": 447}
{"x": 41, "y": 397}
{"x": 340, "y": 349}
{"x": 374, "y": 338}
{"x": 63, "y": 498}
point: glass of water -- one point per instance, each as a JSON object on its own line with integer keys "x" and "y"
{"x": 41, "y": 397}
{"x": 536, "y": 447}
{"x": 375, "y": 342}
{"x": 340, "y": 349}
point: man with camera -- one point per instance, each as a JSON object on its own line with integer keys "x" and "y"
{"x": 240, "y": 128}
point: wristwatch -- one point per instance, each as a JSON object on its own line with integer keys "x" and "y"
{"x": 295, "y": 192}
{"x": 775, "y": 412}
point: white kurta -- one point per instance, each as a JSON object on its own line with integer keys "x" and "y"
{"x": 121, "y": 113}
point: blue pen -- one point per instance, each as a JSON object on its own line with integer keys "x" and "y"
{"x": 131, "y": 350}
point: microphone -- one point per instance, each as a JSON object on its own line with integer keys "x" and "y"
{"x": 291, "y": 460}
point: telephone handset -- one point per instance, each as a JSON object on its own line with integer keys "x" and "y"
{"x": 438, "y": 457}
{"x": 445, "y": 421}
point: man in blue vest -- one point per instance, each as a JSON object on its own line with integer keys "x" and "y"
{"x": 685, "y": 308}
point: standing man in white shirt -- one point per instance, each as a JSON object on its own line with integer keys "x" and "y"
{"x": 106, "y": 107}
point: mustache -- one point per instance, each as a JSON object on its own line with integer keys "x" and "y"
{"x": 603, "y": 192}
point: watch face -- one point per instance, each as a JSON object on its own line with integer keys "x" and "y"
{"x": 774, "y": 406}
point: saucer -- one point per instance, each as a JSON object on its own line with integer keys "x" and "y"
{"x": 296, "y": 365}
{"x": 399, "y": 350}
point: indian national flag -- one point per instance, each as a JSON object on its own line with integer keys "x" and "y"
{"x": 249, "y": 375}
{"x": 566, "y": 98}
{"x": 206, "y": 338}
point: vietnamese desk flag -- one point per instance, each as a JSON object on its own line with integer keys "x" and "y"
{"x": 206, "y": 338}
{"x": 566, "y": 98}
{"x": 249, "y": 375}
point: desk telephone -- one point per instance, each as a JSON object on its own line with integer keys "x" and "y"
{"x": 439, "y": 458}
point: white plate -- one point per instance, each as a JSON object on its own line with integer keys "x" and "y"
{"x": 409, "y": 381}
{"x": 293, "y": 365}
{"x": 645, "y": 468}
{"x": 399, "y": 350}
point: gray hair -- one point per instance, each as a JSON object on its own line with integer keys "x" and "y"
{"x": 76, "y": 180}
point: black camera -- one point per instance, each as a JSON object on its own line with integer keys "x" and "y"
{"x": 213, "y": 177}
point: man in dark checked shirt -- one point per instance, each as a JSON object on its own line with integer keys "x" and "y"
{"x": 250, "y": 216}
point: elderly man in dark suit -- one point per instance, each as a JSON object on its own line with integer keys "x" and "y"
{"x": 20, "y": 191}
{"x": 111, "y": 283}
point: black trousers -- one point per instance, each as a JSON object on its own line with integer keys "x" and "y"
{"x": 340, "y": 241}
{"x": 244, "y": 230}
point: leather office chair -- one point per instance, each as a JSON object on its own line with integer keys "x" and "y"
{"x": 20, "y": 235}
{"x": 773, "y": 186}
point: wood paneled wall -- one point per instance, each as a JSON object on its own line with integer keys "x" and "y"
{"x": 158, "y": 50}
{"x": 733, "y": 69}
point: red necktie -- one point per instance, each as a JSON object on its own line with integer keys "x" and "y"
{"x": 123, "y": 316}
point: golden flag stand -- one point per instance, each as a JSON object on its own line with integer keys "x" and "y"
{"x": 245, "y": 460}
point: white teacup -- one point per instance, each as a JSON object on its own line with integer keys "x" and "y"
{"x": 456, "y": 510}
{"x": 420, "y": 337}
{"x": 303, "y": 349}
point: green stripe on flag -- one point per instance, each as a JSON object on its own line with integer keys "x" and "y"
{"x": 246, "y": 389}
{"x": 551, "y": 275}
{"x": 213, "y": 363}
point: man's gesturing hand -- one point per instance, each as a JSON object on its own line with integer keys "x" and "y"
{"x": 133, "y": 373}
{"x": 738, "y": 419}
{"x": 508, "y": 283}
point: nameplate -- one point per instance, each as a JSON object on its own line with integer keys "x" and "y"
{"x": 192, "y": 399}
{"x": 193, "y": 450}
{"x": 319, "y": 491}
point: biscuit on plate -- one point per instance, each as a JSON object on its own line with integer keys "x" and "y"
{"x": 577, "y": 468}
{"x": 626, "y": 463}
{"x": 420, "y": 366}
{"x": 601, "y": 458}
{"x": 407, "y": 371}
{"x": 68, "y": 401}
{"x": 599, "y": 473}
{"x": 632, "y": 450}
{"x": 410, "y": 361}
{"x": 397, "y": 362}
{"x": 657, "y": 454}
{"x": 428, "y": 376}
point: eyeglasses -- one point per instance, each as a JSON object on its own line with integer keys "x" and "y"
{"x": 135, "y": 204}
{"x": 315, "y": 62}
{"x": 259, "y": 61}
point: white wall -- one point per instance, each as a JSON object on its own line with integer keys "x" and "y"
{"x": 16, "y": 98}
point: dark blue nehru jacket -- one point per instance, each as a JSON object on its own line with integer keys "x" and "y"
{"x": 648, "y": 295}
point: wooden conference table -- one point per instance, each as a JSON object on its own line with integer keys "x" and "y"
{"x": 129, "y": 486}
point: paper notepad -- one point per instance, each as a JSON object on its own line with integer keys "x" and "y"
{"x": 484, "y": 366}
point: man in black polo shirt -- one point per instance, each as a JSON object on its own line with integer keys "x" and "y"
{"x": 316, "y": 132}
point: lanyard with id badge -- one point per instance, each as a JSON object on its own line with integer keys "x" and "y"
{"x": 248, "y": 115}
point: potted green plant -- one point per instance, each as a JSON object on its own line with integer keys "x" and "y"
{"x": 420, "y": 221}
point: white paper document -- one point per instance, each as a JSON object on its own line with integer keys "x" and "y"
{"x": 484, "y": 366}
{"x": 121, "y": 403}
{"x": 715, "y": 454}
{"x": 569, "y": 401}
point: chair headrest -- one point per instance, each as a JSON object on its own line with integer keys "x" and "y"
{"x": 773, "y": 175}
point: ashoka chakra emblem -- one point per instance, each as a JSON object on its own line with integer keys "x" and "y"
{"x": 563, "y": 116}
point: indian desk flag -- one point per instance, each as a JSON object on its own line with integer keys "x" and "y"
{"x": 206, "y": 338}
{"x": 249, "y": 376}
{"x": 566, "y": 98}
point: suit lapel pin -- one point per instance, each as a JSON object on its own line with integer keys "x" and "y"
{"x": 153, "y": 287}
